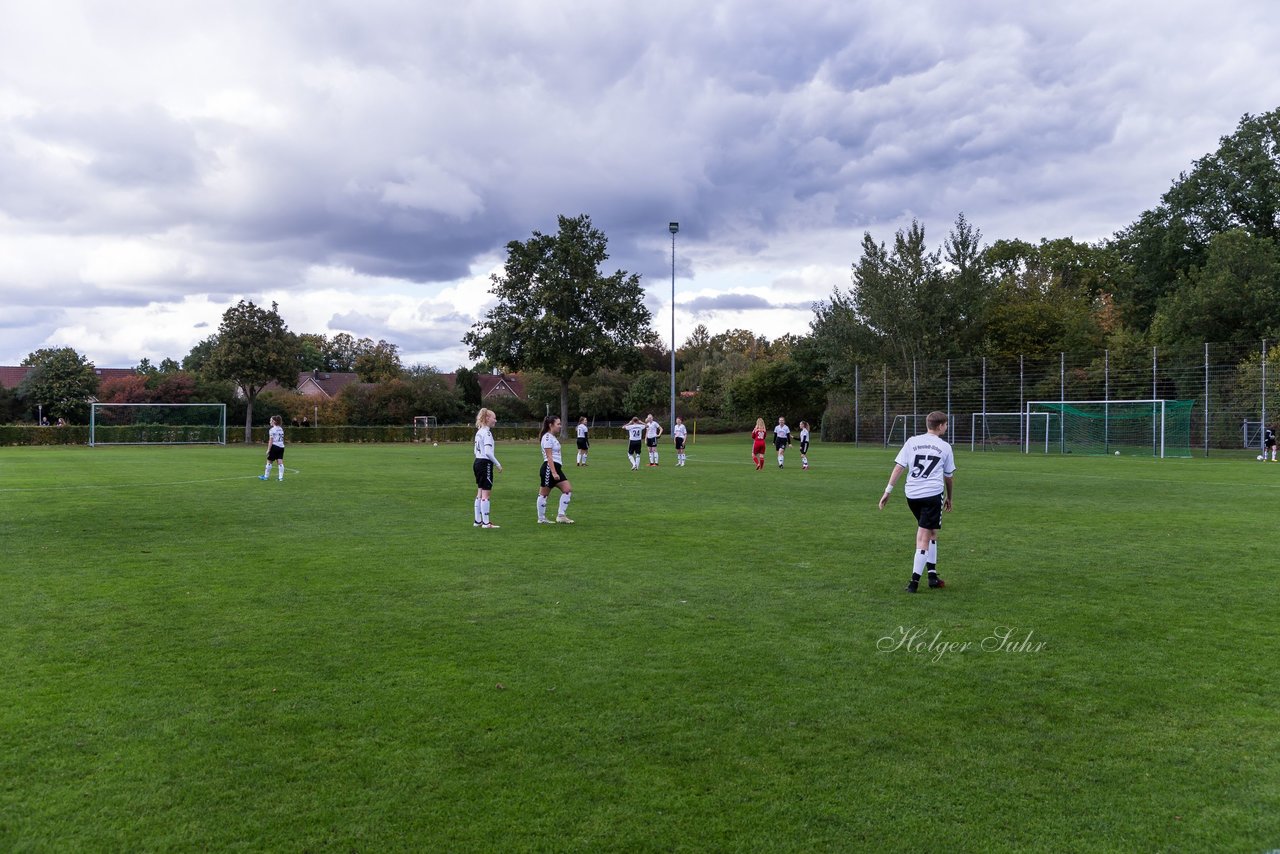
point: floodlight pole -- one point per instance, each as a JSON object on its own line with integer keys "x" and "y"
{"x": 673, "y": 228}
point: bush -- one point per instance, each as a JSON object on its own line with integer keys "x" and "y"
{"x": 837, "y": 424}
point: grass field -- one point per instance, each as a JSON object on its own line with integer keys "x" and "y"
{"x": 711, "y": 659}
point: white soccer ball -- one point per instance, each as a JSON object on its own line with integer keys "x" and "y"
{"x": 435, "y": 444}
{"x": 1117, "y": 453}
{"x": 1261, "y": 458}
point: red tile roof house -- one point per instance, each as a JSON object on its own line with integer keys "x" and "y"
{"x": 328, "y": 384}
{"x": 493, "y": 385}
{"x": 10, "y": 377}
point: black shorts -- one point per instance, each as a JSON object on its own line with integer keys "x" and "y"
{"x": 484, "y": 473}
{"x": 274, "y": 453}
{"x": 804, "y": 446}
{"x": 583, "y": 444}
{"x": 679, "y": 443}
{"x": 1270, "y": 443}
{"x": 544, "y": 475}
{"x": 651, "y": 441}
{"x": 780, "y": 444}
{"x": 633, "y": 447}
{"x": 928, "y": 511}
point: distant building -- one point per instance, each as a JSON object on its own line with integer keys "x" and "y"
{"x": 493, "y": 385}
{"x": 11, "y": 376}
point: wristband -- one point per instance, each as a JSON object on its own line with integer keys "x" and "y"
{"x": 888, "y": 488}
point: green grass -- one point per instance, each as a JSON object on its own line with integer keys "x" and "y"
{"x": 194, "y": 659}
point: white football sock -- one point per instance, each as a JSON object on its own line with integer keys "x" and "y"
{"x": 542, "y": 506}
{"x": 564, "y": 502}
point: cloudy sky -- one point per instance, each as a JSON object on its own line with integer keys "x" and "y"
{"x": 363, "y": 163}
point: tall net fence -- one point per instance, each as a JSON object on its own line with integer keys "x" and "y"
{"x": 1231, "y": 390}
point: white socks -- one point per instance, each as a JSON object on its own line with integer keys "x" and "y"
{"x": 542, "y": 506}
{"x": 564, "y": 502}
{"x": 917, "y": 566}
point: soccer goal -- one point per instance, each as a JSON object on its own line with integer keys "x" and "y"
{"x": 422, "y": 427}
{"x": 158, "y": 424}
{"x": 1011, "y": 431}
{"x": 1156, "y": 428}
{"x": 903, "y": 428}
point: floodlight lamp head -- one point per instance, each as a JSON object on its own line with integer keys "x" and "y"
{"x": 673, "y": 227}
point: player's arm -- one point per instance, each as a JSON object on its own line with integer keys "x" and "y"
{"x": 551, "y": 463}
{"x": 898, "y": 469}
{"x": 948, "y": 481}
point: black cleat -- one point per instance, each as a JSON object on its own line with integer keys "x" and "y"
{"x": 935, "y": 581}
{"x": 913, "y": 586}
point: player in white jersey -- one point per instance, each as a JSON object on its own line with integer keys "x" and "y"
{"x": 930, "y": 466}
{"x": 583, "y": 441}
{"x": 652, "y": 430}
{"x": 551, "y": 475}
{"x": 275, "y": 448}
{"x": 635, "y": 435}
{"x": 678, "y": 434}
{"x": 483, "y": 467}
{"x": 781, "y": 439}
{"x": 804, "y": 445}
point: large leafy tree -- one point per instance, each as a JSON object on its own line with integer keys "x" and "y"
{"x": 1232, "y": 298}
{"x": 254, "y": 348}
{"x": 378, "y": 363}
{"x": 61, "y": 383}
{"x": 467, "y": 385}
{"x": 1235, "y": 187}
{"x": 557, "y": 313}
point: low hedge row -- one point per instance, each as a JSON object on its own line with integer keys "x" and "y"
{"x": 20, "y": 434}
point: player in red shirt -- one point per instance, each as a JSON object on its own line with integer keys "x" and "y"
{"x": 757, "y": 444}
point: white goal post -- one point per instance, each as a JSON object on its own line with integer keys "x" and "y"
{"x": 422, "y": 427}
{"x": 1013, "y": 430}
{"x": 157, "y": 424}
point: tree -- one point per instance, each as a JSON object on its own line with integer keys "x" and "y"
{"x": 557, "y": 313}
{"x": 169, "y": 366}
{"x": 198, "y": 358}
{"x": 899, "y": 296}
{"x": 254, "y": 348}
{"x": 1231, "y": 299}
{"x": 1236, "y": 187}
{"x": 468, "y": 387}
{"x": 61, "y": 383}
{"x": 379, "y": 362}
{"x": 129, "y": 389}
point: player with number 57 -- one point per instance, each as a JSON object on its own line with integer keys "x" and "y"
{"x": 930, "y": 466}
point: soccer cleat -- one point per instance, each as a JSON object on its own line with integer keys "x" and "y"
{"x": 563, "y": 520}
{"x": 476, "y": 524}
{"x": 545, "y": 521}
{"x": 935, "y": 581}
{"x": 263, "y": 477}
{"x": 490, "y": 525}
{"x": 913, "y": 586}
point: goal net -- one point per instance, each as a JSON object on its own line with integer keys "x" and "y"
{"x": 158, "y": 424}
{"x": 1152, "y": 428}
{"x": 1012, "y": 431}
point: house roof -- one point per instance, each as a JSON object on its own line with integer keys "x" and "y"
{"x": 11, "y": 376}
{"x": 325, "y": 383}
{"x": 493, "y": 385}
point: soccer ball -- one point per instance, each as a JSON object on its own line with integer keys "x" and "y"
{"x": 1117, "y": 453}
{"x": 1261, "y": 458}
{"x": 435, "y": 444}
